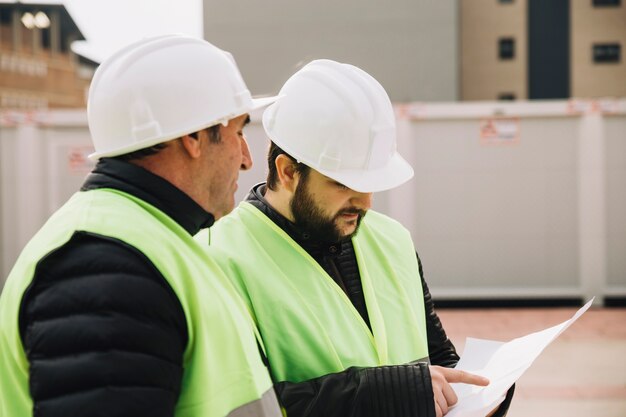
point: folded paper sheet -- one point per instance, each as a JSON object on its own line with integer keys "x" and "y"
{"x": 503, "y": 363}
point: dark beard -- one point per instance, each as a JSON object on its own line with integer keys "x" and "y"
{"x": 310, "y": 218}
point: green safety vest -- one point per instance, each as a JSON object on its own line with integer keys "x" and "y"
{"x": 223, "y": 372}
{"x": 309, "y": 326}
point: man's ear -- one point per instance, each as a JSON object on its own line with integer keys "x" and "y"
{"x": 286, "y": 170}
{"x": 192, "y": 145}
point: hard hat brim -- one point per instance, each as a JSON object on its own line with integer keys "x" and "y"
{"x": 261, "y": 102}
{"x": 257, "y": 103}
{"x": 395, "y": 173}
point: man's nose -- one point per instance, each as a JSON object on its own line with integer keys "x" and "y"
{"x": 362, "y": 201}
{"x": 246, "y": 157}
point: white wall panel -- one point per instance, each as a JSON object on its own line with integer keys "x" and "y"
{"x": 538, "y": 216}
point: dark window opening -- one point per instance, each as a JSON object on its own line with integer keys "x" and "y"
{"x": 506, "y": 96}
{"x": 5, "y": 16}
{"x": 606, "y": 52}
{"x": 601, "y": 3}
{"x": 506, "y": 48}
{"x": 46, "y": 39}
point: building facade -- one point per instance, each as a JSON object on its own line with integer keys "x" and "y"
{"x": 429, "y": 50}
{"x": 37, "y": 68}
{"x": 537, "y": 49}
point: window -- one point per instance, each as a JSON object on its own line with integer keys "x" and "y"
{"x": 606, "y": 52}
{"x": 609, "y": 3}
{"x": 506, "y": 48}
{"x": 5, "y": 16}
{"x": 506, "y": 96}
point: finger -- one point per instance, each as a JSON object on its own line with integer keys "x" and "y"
{"x": 441, "y": 402}
{"x": 438, "y": 412}
{"x": 455, "y": 375}
{"x": 449, "y": 395}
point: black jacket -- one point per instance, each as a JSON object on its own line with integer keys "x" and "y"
{"x": 398, "y": 391}
{"x": 102, "y": 329}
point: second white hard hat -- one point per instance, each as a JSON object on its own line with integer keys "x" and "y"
{"x": 338, "y": 120}
{"x": 162, "y": 88}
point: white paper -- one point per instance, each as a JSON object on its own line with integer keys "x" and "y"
{"x": 502, "y": 363}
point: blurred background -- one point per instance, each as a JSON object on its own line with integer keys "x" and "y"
{"x": 512, "y": 113}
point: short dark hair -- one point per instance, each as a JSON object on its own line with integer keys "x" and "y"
{"x": 214, "y": 137}
{"x": 141, "y": 153}
{"x": 213, "y": 131}
{"x": 272, "y": 174}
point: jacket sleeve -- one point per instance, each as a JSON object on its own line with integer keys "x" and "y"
{"x": 103, "y": 332}
{"x": 399, "y": 391}
{"x": 441, "y": 351}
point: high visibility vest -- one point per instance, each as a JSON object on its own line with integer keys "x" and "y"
{"x": 223, "y": 372}
{"x": 308, "y": 324}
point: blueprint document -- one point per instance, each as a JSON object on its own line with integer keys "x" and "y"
{"x": 503, "y": 363}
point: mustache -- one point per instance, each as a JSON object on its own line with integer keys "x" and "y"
{"x": 352, "y": 210}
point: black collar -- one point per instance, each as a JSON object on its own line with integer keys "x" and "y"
{"x": 256, "y": 197}
{"x": 134, "y": 180}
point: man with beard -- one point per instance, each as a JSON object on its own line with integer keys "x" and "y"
{"x": 346, "y": 318}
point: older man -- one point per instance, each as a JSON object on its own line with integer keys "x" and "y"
{"x": 113, "y": 309}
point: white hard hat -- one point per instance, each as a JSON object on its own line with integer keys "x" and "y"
{"x": 162, "y": 88}
{"x": 338, "y": 120}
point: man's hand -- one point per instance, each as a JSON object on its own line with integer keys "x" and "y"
{"x": 444, "y": 394}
